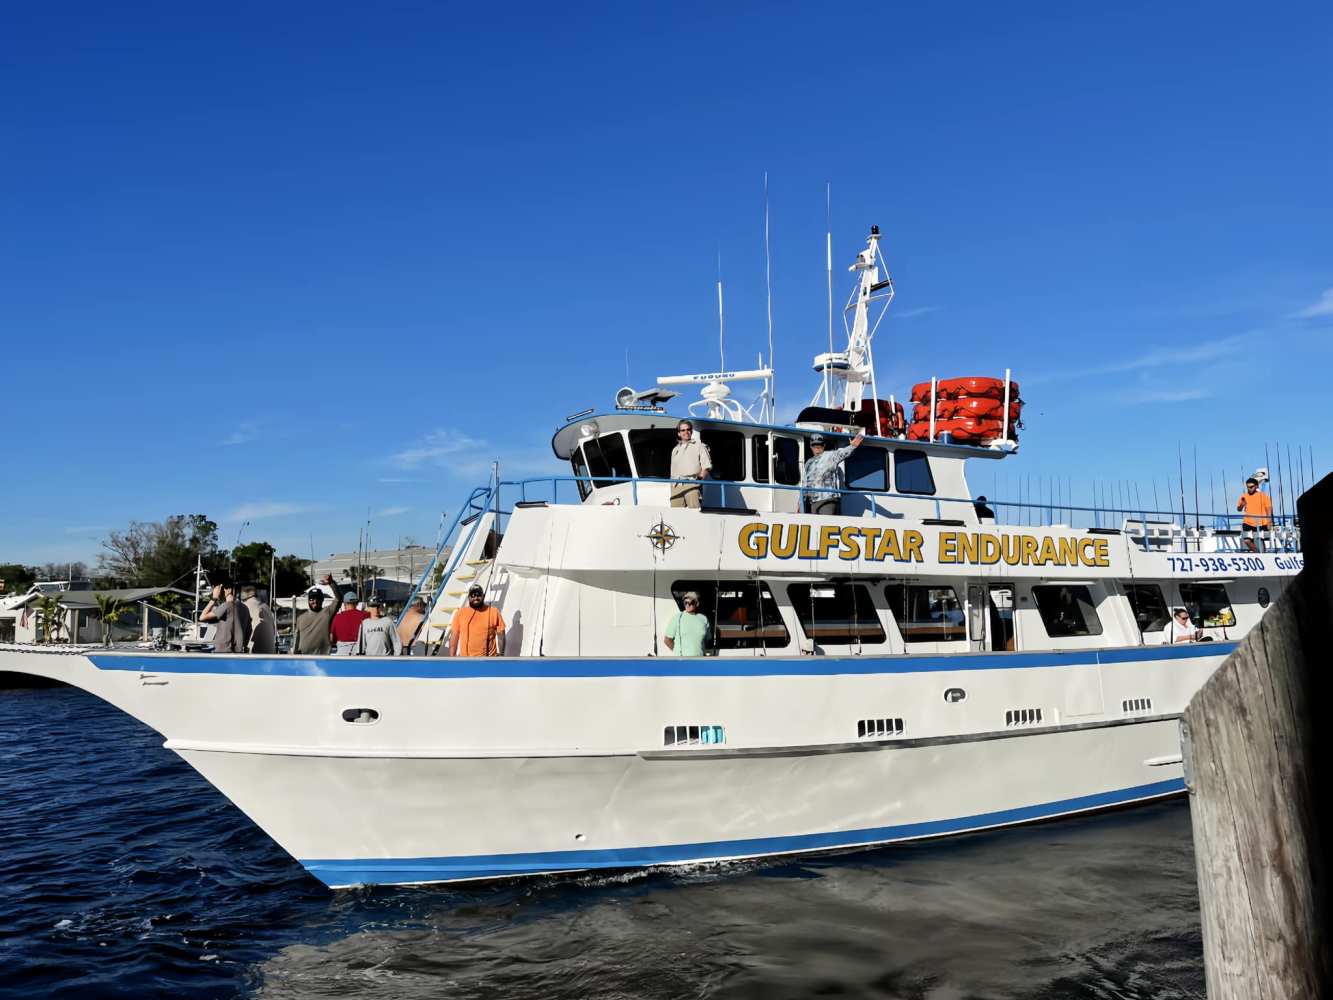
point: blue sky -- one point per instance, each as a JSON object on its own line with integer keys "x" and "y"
{"x": 289, "y": 263}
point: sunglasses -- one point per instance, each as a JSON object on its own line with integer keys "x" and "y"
{"x": 691, "y": 604}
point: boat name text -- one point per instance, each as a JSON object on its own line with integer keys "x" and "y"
{"x": 758, "y": 540}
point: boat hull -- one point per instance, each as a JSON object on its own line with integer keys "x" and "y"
{"x": 501, "y": 768}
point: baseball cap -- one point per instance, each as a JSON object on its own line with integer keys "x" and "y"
{"x": 816, "y": 438}
{"x": 315, "y": 592}
{"x": 349, "y": 597}
{"x": 375, "y": 601}
{"x": 475, "y": 589}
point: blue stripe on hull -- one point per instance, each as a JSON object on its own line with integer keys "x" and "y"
{"x": 384, "y": 871}
{"x": 459, "y": 668}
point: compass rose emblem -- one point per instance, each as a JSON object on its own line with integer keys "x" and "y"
{"x": 662, "y": 536}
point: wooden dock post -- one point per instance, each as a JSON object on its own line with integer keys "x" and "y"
{"x": 1252, "y": 737}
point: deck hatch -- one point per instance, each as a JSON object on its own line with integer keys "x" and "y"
{"x": 878, "y": 728}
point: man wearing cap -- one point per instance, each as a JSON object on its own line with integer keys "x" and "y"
{"x": 347, "y": 626}
{"x": 823, "y": 473}
{"x": 1258, "y": 508}
{"x": 312, "y": 636}
{"x": 378, "y": 635}
{"x": 687, "y": 632}
{"x": 478, "y": 629}
{"x": 690, "y": 459}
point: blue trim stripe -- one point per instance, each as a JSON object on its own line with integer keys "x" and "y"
{"x": 385, "y": 871}
{"x": 459, "y": 668}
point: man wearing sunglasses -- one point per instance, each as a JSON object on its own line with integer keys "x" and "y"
{"x": 1181, "y": 629}
{"x": 689, "y": 460}
{"x": 823, "y": 476}
{"x": 687, "y": 632}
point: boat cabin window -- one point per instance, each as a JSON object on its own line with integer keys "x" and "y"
{"x": 1067, "y": 610}
{"x": 652, "y": 451}
{"x": 867, "y": 469}
{"x": 742, "y": 613}
{"x": 607, "y": 456}
{"x": 786, "y": 459}
{"x": 836, "y": 612}
{"x": 926, "y": 614}
{"x": 1148, "y": 605}
{"x": 1208, "y": 604}
{"x": 581, "y": 471}
{"x": 911, "y": 472}
{"x": 727, "y": 449}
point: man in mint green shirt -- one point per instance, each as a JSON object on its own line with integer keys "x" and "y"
{"x": 687, "y": 633}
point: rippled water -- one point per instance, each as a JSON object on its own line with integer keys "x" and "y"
{"x": 123, "y": 874}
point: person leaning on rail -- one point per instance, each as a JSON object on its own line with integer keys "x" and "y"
{"x": 823, "y": 476}
{"x": 690, "y": 459}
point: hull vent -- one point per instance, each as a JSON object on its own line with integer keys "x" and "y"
{"x": 688, "y": 736}
{"x": 1022, "y": 717}
{"x": 878, "y": 728}
{"x": 1131, "y": 705}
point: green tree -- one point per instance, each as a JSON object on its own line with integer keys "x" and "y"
{"x": 51, "y": 618}
{"x": 293, "y": 576}
{"x": 170, "y": 601}
{"x": 16, "y": 578}
{"x": 110, "y": 610}
{"x": 161, "y": 553}
{"x": 251, "y": 562}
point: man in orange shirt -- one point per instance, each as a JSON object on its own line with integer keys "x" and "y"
{"x": 1258, "y": 508}
{"x": 478, "y": 629}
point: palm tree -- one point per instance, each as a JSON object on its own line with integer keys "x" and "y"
{"x": 50, "y": 618}
{"x": 110, "y": 610}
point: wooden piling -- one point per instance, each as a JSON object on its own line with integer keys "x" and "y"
{"x": 1251, "y": 743}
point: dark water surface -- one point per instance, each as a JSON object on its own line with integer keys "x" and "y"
{"x": 123, "y": 874}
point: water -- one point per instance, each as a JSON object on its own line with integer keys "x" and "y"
{"x": 123, "y": 874}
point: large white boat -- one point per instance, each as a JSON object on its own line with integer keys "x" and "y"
{"x": 917, "y": 665}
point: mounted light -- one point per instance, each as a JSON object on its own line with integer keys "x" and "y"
{"x": 589, "y": 429}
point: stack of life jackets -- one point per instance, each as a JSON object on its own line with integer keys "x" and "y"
{"x": 969, "y": 410}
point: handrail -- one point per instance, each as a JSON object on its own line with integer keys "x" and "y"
{"x": 468, "y": 507}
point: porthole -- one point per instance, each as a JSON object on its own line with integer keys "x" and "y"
{"x": 955, "y": 695}
{"x": 1263, "y": 597}
{"x": 360, "y": 716}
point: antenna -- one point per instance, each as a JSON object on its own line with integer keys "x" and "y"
{"x": 768, "y": 281}
{"x": 828, "y": 264}
{"x": 721, "y": 340}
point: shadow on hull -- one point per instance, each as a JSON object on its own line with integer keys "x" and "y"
{"x": 10, "y": 681}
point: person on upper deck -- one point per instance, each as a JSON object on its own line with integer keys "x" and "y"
{"x": 1180, "y": 628}
{"x": 690, "y": 459}
{"x": 1258, "y": 508}
{"x": 823, "y": 472}
{"x": 983, "y": 509}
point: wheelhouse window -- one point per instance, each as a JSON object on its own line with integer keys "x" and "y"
{"x": 581, "y": 473}
{"x": 1148, "y": 605}
{"x": 836, "y": 612}
{"x": 867, "y": 469}
{"x": 727, "y": 449}
{"x": 742, "y": 613}
{"x": 1067, "y": 610}
{"x": 786, "y": 459}
{"x": 1208, "y": 604}
{"x": 651, "y": 448}
{"x": 607, "y": 457}
{"x": 911, "y": 472}
{"x": 926, "y": 614}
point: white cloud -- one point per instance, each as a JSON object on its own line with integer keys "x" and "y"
{"x": 391, "y": 511}
{"x": 261, "y": 509}
{"x": 915, "y": 311}
{"x": 85, "y": 529}
{"x": 440, "y": 447}
{"x": 246, "y": 430}
{"x": 1166, "y": 395}
{"x": 1323, "y": 306}
{"x": 1165, "y": 358}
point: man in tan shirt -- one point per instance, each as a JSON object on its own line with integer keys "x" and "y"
{"x": 689, "y": 460}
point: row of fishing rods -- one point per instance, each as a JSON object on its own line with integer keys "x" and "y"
{"x": 1044, "y": 499}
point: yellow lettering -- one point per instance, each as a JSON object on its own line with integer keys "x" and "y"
{"x": 1029, "y": 550}
{"x": 888, "y": 546}
{"x": 1103, "y": 550}
{"x": 870, "y": 534}
{"x": 967, "y": 547}
{"x": 990, "y": 550}
{"x": 754, "y": 540}
{"x": 1012, "y": 546}
{"x": 782, "y": 540}
{"x": 851, "y": 544}
{"x": 948, "y": 539}
{"x": 1069, "y": 552}
{"x": 828, "y": 537}
{"x": 912, "y": 546}
{"x": 803, "y": 549}
{"x": 1049, "y": 553}
{"x": 1086, "y": 552}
